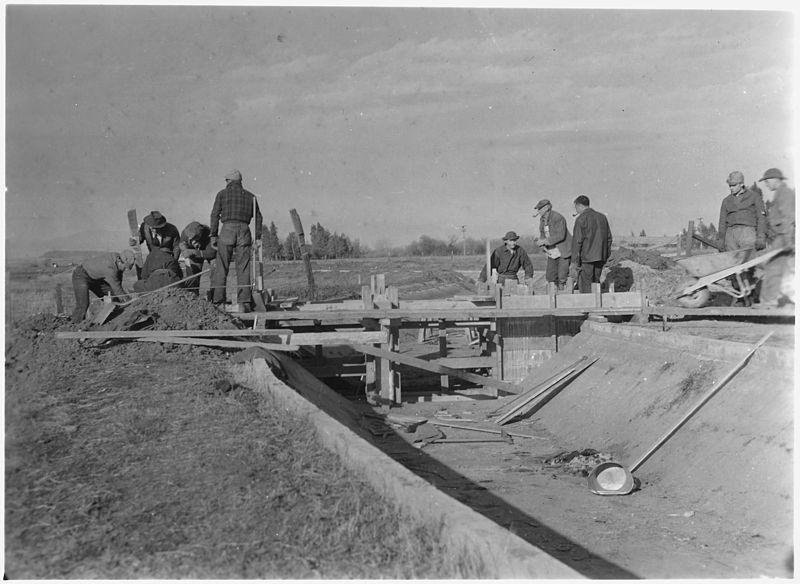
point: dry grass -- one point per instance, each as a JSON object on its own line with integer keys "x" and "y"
{"x": 127, "y": 462}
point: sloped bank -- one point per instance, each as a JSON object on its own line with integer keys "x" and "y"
{"x": 733, "y": 459}
{"x": 503, "y": 554}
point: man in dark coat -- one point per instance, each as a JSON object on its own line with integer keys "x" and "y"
{"x": 742, "y": 216}
{"x": 777, "y": 285}
{"x": 235, "y": 208}
{"x": 591, "y": 244}
{"x": 157, "y": 233}
{"x": 100, "y": 275}
{"x": 160, "y": 269}
{"x": 195, "y": 249}
{"x": 556, "y": 242}
{"x": 508, "y": 260}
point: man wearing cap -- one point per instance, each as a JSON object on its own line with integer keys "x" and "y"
{"x": 234, "y": 207}
{"x": 591, "y": 244}
{"x": 742, "y": 217}
{"x": 556, "y": 241}
{"x": 508, "y": 259}
{"x": 777, "y": 282}
{"x": 100, "y": 275}
{"x": 195, "y": 249}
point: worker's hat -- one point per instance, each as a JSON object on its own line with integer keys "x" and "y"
{"x": 511, "y": 235}
{"x": 234, "y": 175}
{"x": 772, "y": 173}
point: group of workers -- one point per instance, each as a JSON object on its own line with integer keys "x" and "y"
{"x": 745, "y": 222}
{"x": 579, "y": 256}
{"x": 178, "y": 257}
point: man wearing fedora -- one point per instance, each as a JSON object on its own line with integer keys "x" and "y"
{"x": 234, "y": 207}
{"x": 508, "y": 259}
{"x": 556, "y": 241}
{"x": 591, "y": 244}
{"x": 777, "y": 283}
{"x": 157, "y": 233}
{"x": 742, "y": 217}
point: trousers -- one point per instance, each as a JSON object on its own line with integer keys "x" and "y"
{"x": 557, "y": 270}
{"x": 82, "y": 284}
{"x": 235, "y": 243}
{"x": 589, "y": 273}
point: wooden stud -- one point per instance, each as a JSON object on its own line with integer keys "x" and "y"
{"x": 551, "y": 294}
{"x": 689, "y": 238}
{"x": 59, "y": 300}
{"x": 444, "y": 380}
{"x": 598, "y": 297}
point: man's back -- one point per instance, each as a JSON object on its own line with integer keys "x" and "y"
{"x": 591, "y": 237}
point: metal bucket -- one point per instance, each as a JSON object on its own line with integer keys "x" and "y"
{"x": 611, "y": 478}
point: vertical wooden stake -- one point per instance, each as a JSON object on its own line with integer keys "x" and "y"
{"x": 689, "y": 238}
{"x": 298, "y": 230}
{"x": 444, "y": 380}
{"x": 59, "y": 300}
{"x": 551, "y": 294}
{"x": 598, "y": 297}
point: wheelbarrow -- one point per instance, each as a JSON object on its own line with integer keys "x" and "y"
{"x": 717, "y": 272}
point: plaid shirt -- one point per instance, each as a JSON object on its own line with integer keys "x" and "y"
{"x": 233, "y": 203}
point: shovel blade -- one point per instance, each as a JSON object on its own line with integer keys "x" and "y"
{"x": 611, "y": 478}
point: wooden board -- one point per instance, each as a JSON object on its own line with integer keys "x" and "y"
{"x": 221, "y": 343}
{"x": 434, "y": 368}
{"x": 133, "y": 225}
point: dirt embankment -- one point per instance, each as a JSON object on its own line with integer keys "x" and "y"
{"x": 142, "y": 460}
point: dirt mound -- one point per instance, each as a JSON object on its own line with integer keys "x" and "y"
{"x": 649, "y": 258}
{"x": 660, "y": 286}
{"x": 173, "y": 309}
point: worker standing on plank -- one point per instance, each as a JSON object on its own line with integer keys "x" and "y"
{"x": 777, "y": 284}
{"x": 157, "y": 232}
{"x": 556, "y": 242}
{"x": 234, "y": 207}
{"x": 591, "y": 244}
{"x": 742, "y": 217}
{"x": 100, "y": 275}
{"x": 160, "y": 269}
{"x": 508, "y": 259}
{"x": 195, "y": 249}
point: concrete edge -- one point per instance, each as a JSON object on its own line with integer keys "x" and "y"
{"x": 504, "y": 554}
{"x": 711, "y": 348}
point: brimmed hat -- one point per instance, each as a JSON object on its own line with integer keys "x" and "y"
{"x": 735, "y": 178}
{"x": 511, "y": 235}
{"x": 542, "y": 203}
{"x": 155, "y": 220}
{"x": 234, "y": 175}
{"x": 772, "y": 173}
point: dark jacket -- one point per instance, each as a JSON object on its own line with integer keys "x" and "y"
{"x": 746, "y": 209}
{"x": 168, "y": 239}
{"x": 508, "y": 264}
{"x": 781, "y": 217}
{"x": 160, "y": 269}
{"x": 196, "y": 243}
{"x": 554, "y": 233}
{"x": 591, "y": 238}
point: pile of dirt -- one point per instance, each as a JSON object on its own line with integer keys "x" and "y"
{"x": 650, "y": 258}
{"x": 173, "y": 309}
{"x": 660, "y": 286}
{"x": 578, "y": 462}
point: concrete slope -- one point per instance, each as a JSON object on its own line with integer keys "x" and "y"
{"x": 733, "y": 459}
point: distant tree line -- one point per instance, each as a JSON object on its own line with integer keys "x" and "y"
{"x": 323, "y": 244}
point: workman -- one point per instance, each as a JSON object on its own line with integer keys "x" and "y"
{"x": 234, "y": 207}
{"x": 195, "y": 249}
{"x": 556, "y": 242}
{"x": 742, "y": 217}
{"x": 777, "y": 284}
{"x": 100, "y": 275}
{"x": 508, "y": 259}
{"x": 591, "y": 244}
{"x": 157, "y": 232}
{"x": 160, "y": 269}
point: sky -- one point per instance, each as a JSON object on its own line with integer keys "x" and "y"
{"x": 387, "y": 123}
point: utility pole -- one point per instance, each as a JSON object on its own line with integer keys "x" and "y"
{"x": 464, "y": 238}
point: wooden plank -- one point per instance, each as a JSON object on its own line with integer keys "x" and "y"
{"x": 220, "y": 343}
{"x": 467, "y": 362}
{"x": 531, "y": 301}
{"x": 133, "y": 225}
{"x": 304, "y": 251}
{"x": 321, "y": 338}
{"x": 434, "y": 368}
{"x": 622, "y": 299}
{"x": 575, "y": 301}
{"x": 740, "y": 311}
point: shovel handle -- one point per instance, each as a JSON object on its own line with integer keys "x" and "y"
{"x": 719, "y": 385}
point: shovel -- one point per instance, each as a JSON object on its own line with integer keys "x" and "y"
{"x": 611, "y": 478}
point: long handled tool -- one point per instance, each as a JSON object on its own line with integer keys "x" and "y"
{"x": 611, "y": 478}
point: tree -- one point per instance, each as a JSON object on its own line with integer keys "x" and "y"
{"x": 272, "y": 244}
{"x": 291, "y": 247}
{"x": 642, "y": 233}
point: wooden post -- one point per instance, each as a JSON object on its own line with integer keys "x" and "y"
{"x": 497, "y": 345}
{"x": 133, "y": 225}
{"x": 366, "y": 297}
{"x": 678, "y": 245}
{"x": 551, "y": 294}
{"x": 488, "y": 261}
{"x": 598, "y": 297}
{"x": 570, "y": 285}
{"x": 370, "y": 366}
{"x": 59, "y": 300}
{"x": 388, "y": 379}
{"x": 298, "y": 230}
{"x": 393, "y": 296}
{"x": 689, "y": 238}
{"x": 444, "y": 380}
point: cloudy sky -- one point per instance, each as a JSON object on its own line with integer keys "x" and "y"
{"x": 386, "y": 123}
